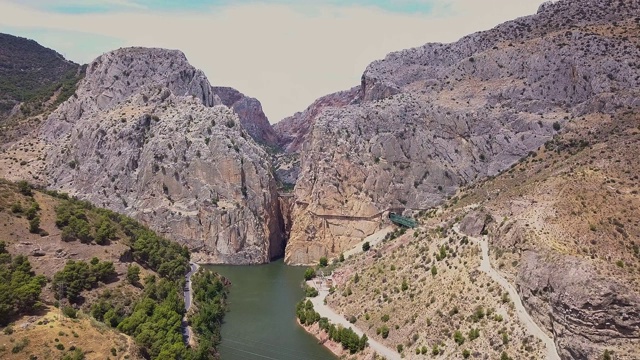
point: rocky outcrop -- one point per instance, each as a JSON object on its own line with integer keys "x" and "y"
{"x": 251, "y": 116}
{"x": 294, "y": 130}
{"x": 146, "y": 135}
{"x": 585, "y": 311}
{"x": 440, "y": 116}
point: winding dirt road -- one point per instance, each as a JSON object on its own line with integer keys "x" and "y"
{"x": 525, "y": 318}
{"x": 326, "y": 311}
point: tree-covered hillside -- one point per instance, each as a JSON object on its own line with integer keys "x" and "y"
{"x": 31, "y": 74}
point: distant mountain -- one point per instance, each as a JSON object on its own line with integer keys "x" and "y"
{"x": 251, "y": 116}
{"x": 30, "y": 75}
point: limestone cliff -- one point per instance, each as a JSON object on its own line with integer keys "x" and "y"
{"x": 251, "y": 116}
{"x": 146, "y": 135}
{"x": 294, "y": 130}
{"x": 440, "y": 116}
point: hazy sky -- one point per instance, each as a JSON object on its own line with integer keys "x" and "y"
{"x": 286, "y": 53}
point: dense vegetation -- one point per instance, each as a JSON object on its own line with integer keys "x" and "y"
{"x": 31, "y": 73}
{"x": 153, "y": 317}
{"x": 79, "y": 275}
{"x": 19, "y": 287}
{"x": 80, "y": 220}
{"x": 345, "y": 336}
{"x": 155, "y": 322}
{"x": 209, "y": 298}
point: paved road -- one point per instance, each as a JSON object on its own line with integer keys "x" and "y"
{"x": 326, "y": 311}
{"x": 525, "y": 318}
{"x": 187, "y": 333}
{"x": 188, "y": 290}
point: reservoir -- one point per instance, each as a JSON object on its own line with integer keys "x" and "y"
{"x": 261, "y": 322}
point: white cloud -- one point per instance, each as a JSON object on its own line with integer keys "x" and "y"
{"x": 284, "y": 57}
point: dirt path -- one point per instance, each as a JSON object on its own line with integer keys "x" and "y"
{"x": 525, "y": 318}
{"x": 373, "y": 240}
{"x": 335, "y": 318}
{"x": 326, "y": 311}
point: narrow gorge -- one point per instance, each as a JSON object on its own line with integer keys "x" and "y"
{"x": 524, "y": 134}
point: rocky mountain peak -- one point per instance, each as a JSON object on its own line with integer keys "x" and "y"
{"x": 114, "y": 76}
{"x": 147, "y": 136}
{"x": 251, "y": 115}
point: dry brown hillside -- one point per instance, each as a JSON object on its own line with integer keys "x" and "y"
{"x": 48, "y": 254}
{"x": 563, "y": 227}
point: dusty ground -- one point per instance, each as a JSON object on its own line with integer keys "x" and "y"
{"x": 50, "y": 336}
{"x": 48, "y": 254}
{"x": 576, "y": 196}
{"x": 431, "y": 308}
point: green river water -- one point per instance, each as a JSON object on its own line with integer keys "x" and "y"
{"x": 261, "y": 322}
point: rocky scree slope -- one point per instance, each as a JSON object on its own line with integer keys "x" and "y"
{"x": 147, "y": 136}
{"x": 437, "y": 117}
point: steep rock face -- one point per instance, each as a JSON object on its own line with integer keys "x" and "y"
{"x": 140, "y": 137}
{"x": 294, "y": 130}
{"x": 553, "y": 288}
{"x": 251, "y": 116}
{"x": 563, "y": 226}
{"x": 440, "y": 116}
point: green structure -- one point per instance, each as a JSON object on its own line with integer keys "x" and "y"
{"x": 402, "y": 221}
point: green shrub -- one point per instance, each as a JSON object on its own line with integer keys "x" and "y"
{"x": 77, "y": 276}
{"x": 133, "y": 274}
{"x": 24, "y": 188}
{"x": 34, "y": 225}
{"x": 16, "y": 208}
{"x": 17, "y": 347}
{"x": 70, "y": 312}
{"x": 20, "y": 288}
{"x": 366, "y": 246}
{"x": 309, "y": 274}
{"x": 384, "y": 331}
{"x": 458, "y": 338}
{"x": 310, "y": 291}
{"x": 324, "y": 261}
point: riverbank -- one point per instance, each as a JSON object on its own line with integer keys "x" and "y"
{"x": 335, "y": 347}
{"x": 261, "y": 321}
{"x": 325, "y": 311}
